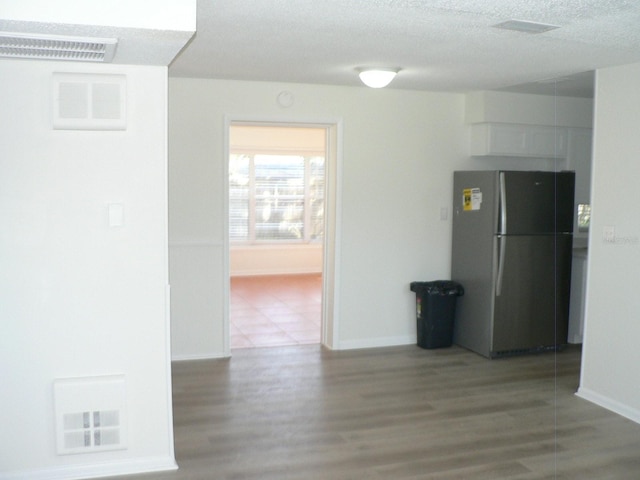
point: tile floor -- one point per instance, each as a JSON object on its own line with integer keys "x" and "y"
{"x": 275, "y": 310}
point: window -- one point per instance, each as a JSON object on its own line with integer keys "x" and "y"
{"x": 276, "y": 198}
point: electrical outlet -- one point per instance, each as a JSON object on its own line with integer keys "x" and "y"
{"x": 116, "y": 214}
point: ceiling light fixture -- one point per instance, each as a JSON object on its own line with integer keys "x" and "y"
{"x": 377, "y": 77}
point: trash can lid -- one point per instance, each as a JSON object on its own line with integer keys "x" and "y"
{"x": 438, "y": 287}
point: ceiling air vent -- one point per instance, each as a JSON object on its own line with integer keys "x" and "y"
{"x": 57, "y": 47}
{"x": 525, "y": 26}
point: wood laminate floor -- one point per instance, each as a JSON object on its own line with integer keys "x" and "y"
{"x": 303, "y": 412}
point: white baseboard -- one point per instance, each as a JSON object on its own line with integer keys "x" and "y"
{"x": 274, "y": 271}
{"x": 96, "y": 470}
{"x": 197, "y": 356}
{"x": 610, "y": 404}
{"x": 377, "y": 342}
{"x": 348, "y": 345}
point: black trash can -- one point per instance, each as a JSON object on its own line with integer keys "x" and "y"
{"x": 435, "y": 311}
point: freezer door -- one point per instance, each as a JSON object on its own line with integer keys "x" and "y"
{"x": 532, "y": 295}
{"x": 534, "y": 203}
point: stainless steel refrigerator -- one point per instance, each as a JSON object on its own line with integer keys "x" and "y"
{"x": 511, "y": 251}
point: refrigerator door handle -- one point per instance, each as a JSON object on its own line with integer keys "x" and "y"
{"x": 502, "y": 247}
{"x": 503, "y": 205}
{"x": 502, "y": 229}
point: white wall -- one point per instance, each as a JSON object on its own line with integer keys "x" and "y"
{"x": 275, "y": 259}
{"x": 398, "y": 153}
{"x": 80, "y": 298}
{"x": 611, "y": 356}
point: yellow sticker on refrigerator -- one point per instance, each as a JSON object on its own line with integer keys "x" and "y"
{"x": 471, "y": 199}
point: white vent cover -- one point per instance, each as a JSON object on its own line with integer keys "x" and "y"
{"x": 90, "y": 414}
{"x": 89, "y": 101}
{"x": 57, "y": 47}
{"x": 526, "y": 26}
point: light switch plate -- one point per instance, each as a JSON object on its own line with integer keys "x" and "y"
{"x": 609, "y": 233}
{"x": 116, "y": 215}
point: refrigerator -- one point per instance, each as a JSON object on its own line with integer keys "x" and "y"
{"x": 511, "y": 251}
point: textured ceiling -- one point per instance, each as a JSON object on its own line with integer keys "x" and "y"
{"x": 441, "y": 45}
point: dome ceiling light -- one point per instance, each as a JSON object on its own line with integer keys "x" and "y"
{"x": 375, "y": 77}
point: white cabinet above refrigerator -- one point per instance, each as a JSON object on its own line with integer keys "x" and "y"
{"x": 514, "y": 140}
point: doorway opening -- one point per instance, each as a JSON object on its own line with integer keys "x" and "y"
{"x": 276, "y": 233}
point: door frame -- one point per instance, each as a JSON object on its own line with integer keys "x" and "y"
{"x": 329, "y": 336}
